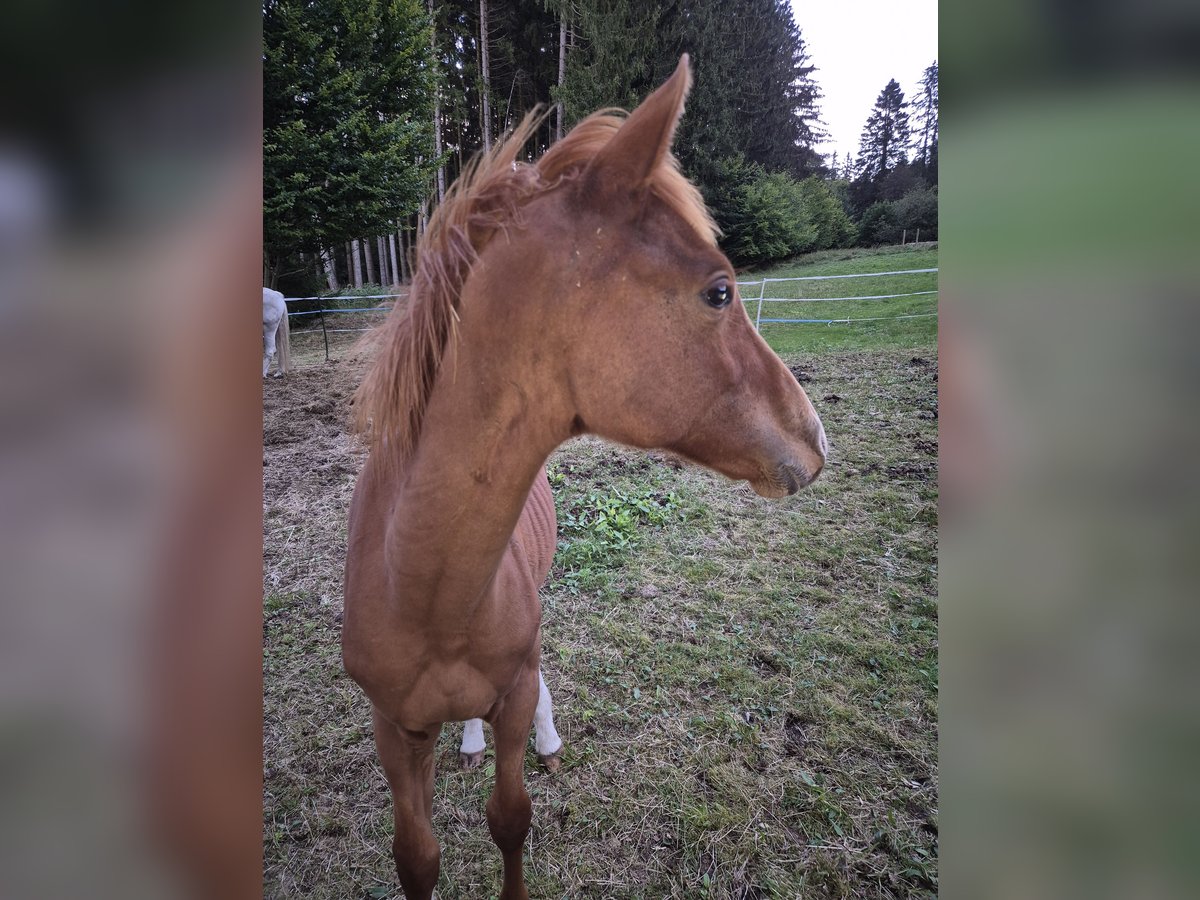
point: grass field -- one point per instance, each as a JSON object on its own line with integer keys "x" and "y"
{"x": 887, "y": 333}
{"x": 747, "y": 689}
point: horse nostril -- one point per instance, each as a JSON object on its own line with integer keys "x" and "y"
{"x": 790, "y": 482}
{"x": 816, "y": 440}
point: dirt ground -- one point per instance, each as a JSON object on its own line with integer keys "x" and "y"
{"x": 747, "y": 689}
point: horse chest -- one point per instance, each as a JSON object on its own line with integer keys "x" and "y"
{"x": 456, "y": 693}
{"x": 446, "y": 660}
{"x": 447, "y": 691}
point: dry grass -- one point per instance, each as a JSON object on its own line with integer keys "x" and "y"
{"x": 747, "y": 691}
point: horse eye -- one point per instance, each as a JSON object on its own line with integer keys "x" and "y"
{"x": 719, "y": 295}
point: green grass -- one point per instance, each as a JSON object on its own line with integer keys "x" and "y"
{"x": 747, "y": 689}
{"x": 888, "y": 334}
{"x": 600, "y": 527}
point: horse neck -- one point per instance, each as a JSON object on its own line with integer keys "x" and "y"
{"x": 486, "y": 435}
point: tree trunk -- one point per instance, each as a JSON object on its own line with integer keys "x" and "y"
{"x": 437, "y": 118}
{"x": 925, "y": 142}
{"x": 357, "y": 258}
{"x": 410, "y": 257}
{"x": 562, "y": 68}
{"x": 403, "y": 269}
{"x": 330, "y": 269}
{"x": 372, "y": 273}
{"x": 409, "y": 236}
{"x": 392, "y": 254}
{"x": 385, "y": 270}
{"x": 484, "y": 68}
{"x": 438, "y": 150}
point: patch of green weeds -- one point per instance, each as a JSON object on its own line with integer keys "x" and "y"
{"x": 598, "y": 529}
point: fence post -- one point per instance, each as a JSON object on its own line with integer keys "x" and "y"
{"x": 918, "y": 240}
{"x": 325, "y": 334}
{"x": 904, "y": 237}
{"x": 762, "y": 287}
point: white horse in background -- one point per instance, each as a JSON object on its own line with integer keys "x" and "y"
{"x": 275, "y": 325}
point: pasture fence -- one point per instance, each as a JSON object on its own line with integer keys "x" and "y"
{"x": 779, "y": 285}
{"x": 325, "y": 330}
{"x": 761, "y": 299}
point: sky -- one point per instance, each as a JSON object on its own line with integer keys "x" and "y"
{"x": 857, "y": 45}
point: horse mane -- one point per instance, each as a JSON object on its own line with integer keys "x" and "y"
{"x": 389, "y": 405}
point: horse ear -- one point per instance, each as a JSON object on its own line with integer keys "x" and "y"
{"x": 643, "y": 141}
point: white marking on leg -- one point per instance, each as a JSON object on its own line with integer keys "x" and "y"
{"x": 472, "y": 741}
{"x": 268, "y": 350}
{"x": 546, "y": 740}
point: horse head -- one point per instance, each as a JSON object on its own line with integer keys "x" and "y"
{"x": 613, "y": 287}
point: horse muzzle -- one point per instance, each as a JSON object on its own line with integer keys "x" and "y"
{"x": 799, "y": 470}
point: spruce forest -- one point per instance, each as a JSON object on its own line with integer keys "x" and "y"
{"x": 371, "y": 108}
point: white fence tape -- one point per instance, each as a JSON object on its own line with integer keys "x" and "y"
{"x": 761, "y": 284}
{"x": 352, "y": 297}
{"x": 831, "y": 277}
{"x": 835, "y": 299}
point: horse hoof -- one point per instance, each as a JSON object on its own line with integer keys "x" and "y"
{"x": 470, "y": 760}
{"x": 551, "y": 762}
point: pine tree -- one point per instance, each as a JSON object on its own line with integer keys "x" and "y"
{"x": 614, "y": 64}
{"x": 456, "y": 54}
{"x": 521, "y": 71}
{"x": 777, "y": 96}
{"x": 524, "y": 62}
{"x": 885, "y": 137}
{"x": 925, "y": 108}
{"x": 347, "y": 121}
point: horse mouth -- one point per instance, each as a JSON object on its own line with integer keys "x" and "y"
{"x": 784, "y": 481}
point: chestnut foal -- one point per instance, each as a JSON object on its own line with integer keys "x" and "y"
{"x": 582, "y": 294}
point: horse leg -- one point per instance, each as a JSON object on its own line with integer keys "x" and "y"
{"x": 408, "y": 760}
{"x": 470, "y": 754}
{"x": 549, "y": 745}
{"x": 268, "y": 348}
{"x": 509, "y": 810}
